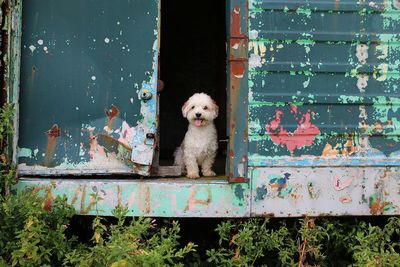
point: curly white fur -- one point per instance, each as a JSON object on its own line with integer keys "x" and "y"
{"x": 199, "y": 147}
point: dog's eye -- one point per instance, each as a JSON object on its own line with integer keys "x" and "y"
{"x": 192, "y": 107}
{"x": 205, "y": 107}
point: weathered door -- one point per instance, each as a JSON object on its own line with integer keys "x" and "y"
{"x": 324, "y": 106}
{"x": 88, "y": 86}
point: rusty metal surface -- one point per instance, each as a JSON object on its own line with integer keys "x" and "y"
{"x": 157, "y": 198}
{"x": 294, "y": 192}
{"x": 323, "y": 121}
{"x": 324, "y": 104}
{"x": 88, "y": 87}
{"x": 237, "y": 91}
{"x": 324, "y": 83}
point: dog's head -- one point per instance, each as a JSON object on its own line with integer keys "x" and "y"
{"x": 200, "y": 109}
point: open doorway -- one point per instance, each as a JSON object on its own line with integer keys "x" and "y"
{"x": 192, "y": 59}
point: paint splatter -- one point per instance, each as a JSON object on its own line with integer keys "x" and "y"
{"x": 32, "y": 48}
{"x": 239, "y": 192}
{"x": 261, "y": 192}
{"x": 280, "y": 184}
{"x": 340, "y": 184}
{"x": 304, "y": 135}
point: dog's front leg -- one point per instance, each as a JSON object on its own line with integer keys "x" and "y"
{"x": 192, "y": 169}
{"x": 206, "y": 166}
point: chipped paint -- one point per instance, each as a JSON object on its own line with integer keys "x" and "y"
{"x": 181, "y": 198}
{"x": 303, "y": 135}
{"x": 313, "y": 119}
{"x": 119, "y": 140}
{"x": 323, "y": 106}
{"x": 237, "y": 118}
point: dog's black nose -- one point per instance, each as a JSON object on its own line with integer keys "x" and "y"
{"x": 198, "y": 115}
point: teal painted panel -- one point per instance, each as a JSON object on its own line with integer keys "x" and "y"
{"x": 324, "y": 83}
{"x": 86, "y": 66}
{"x": 315, "y": 57}
{"x": 321, "y": 5}
{"x": 155, "y": 198}
{"x": 306, "y": 88}
{"x": 324, "y": 20}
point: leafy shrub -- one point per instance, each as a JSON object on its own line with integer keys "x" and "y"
{"x": 32, "y": 234}
{"x": 247, "y": 242}
{"x": 134, "y": 243}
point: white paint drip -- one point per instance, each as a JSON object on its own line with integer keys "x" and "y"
{"x": 40, "y": 42}
{"x": 32, "y": 48}
{"x": 106, "y": 40}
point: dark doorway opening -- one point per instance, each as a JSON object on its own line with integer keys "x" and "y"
{"x": 192, "y": 59}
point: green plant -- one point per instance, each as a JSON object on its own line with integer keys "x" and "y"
{"x": 7, "y": 171}
{"x": 31, "y": 233}
{"x": 376, "y": 246}
{"x": 248, "y": 242}
{"x": 130, "y": 242}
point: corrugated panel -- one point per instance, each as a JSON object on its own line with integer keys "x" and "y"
{"x": 88, "y": 86}
{"x": 324, "y": 83}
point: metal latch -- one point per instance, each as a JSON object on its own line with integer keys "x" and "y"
{"x": 149, "y": 139}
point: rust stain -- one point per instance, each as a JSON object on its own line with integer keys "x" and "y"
{"x": 111, "y": 114}
{"x": 48, "y": 200}
{"x": 52, "y": 134}
{"x": 238, "y": 69}
{"x": 238, "y": 179}
{"x": 236, "y": 30}
{"x": 375, "y": 206}
{"x": 119, "y": 190}
{"x": 193, "y": 200}
{"x": 145, "y": 205}
{"x": 75, "y": 197}
{"x": 92, "y": 201}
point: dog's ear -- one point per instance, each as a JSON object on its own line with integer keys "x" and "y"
{"x": 215, "y": 108}
{"x": 185, "y": 109}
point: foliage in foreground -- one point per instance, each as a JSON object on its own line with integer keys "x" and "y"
{"x": 35, "y": 234}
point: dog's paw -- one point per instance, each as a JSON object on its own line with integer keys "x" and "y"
{"x": 193, "y": 175}
{"x": 209, "y": 173}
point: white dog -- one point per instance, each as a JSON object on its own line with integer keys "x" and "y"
{"x": 199, "y": 147}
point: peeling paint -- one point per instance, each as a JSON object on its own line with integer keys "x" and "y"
{"x": 303, "y": 135}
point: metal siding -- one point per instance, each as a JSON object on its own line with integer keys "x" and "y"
{"x": 324, "y": 111}
{"x": 156, "y": 198}
{"x": 294, "y": 192}
{"x": 86, "y": 66}
{"x": 319, "y": 96}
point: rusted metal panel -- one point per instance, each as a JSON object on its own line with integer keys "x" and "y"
{"x": 237, "y": 91}
{"x": 88, "y": 87}
{"x": 319, "y": 94}
{"x": 294, "y": 192}
{"x": 156, "y": 198}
